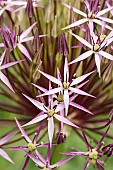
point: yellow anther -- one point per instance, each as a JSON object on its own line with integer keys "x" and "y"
{"x": 96, "y": 47}
{"x": 66, "y": 85}
{"x": 90, "y": 15}
{"x": 93, "y": 161}
{"x": 93, "y": 154}
{"x": 102, "y": 37}
{"x": 31, "y": 146}
{"x": 50, "y": 112}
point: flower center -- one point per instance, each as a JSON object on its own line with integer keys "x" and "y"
{"x": 66, "y": 85}
{"x": 31, "y": 146}
{"x": 60, "y": 98}
{"x": 90, "y": 15}
{"x": 50, "y": 112}
{"x": 96, "y": 47}
{"x": 93, "y": 155}
{"x": 45, "y": 168}
{"x": 102, "y": 37}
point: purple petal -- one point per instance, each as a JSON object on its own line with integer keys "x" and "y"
{"x": 24, "y": 51}
{"x": 25, "y": 163}
{"x": 106, "y": 55}
{"x": 10, "y": 64}
{"x": 66, "y": 100}
{"x": 101, "y": 23}
{"x": 104, "y": 11}
{"x": 82, "y": 56}
{"x": 5, "y": 155}
{"x": 40, "y": 88}
{"x": 106, "y": 19}
{"x": 25, "y": 33}
{"x": 80, "y": 107}
{"x": 36, "y": 120}
{"x": 78, "y": 91}
{"x": 86, "y": 165}
{"x": 7, "y": 138}
{"x": 50, "y": 129}
{"x": 64, "y": 120}
{"x": 40, "y": 156}
{"x": 6, "y": 81}
{"x": 51, "y": 78}
{"x": 98, "y": 62}
{"x": 1, "y": 44}
{"x": 60, "y": 107}
{"x": 77, "y": 23}
{"x": 81, "y": 78}
{"x": 82, "y": 40}
{"x": 38, "y": 104}
{"x": 2, "y": 57}
{"x": 22, "y": 131}
{"x": 75, "y": 10}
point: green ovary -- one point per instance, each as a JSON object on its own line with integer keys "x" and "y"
{"x": 31, "y": 146}
{"x": 102, "y": 37}
{"x": 90, "y": 15}
{"x": 93, "y": 155}
{"x": 96, "y": 47}
{"x": 45, "y": 168}
{"x": 50, "y": 112}
{"x": 60, "y": 98}
{"x": 66, "y": 85}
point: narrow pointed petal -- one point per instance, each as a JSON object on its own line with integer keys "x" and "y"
{"x": 66, "y": 100}
{"x": 50, "y": 129}
{"x": 64, "y": 120}
{"x": 22, "y": 131}
{"x": 82, "y": 40}
{"x": 66, "y": 71}
{"x": 98, "y": 62}
{"x": 86, "y": 165}
{"x": 36, "y": 160}
{"x": 82, "y": 56}
{"x": 59, "y": 108}
{"x": 104, "y": 11}
{"x": 40, "y": 88}
{"x": 18, "y": 3}
{"x": 52, "y": 91}
{"x": 2, "y": 57}
{"x": 5, "y": 155}
{"x": 10, "y": 64}
{"x": 63, "y": 161}
{"x": 7, "y": 138}
{"x": 75, "y": 10}
{"x": 75, "y": 90}
{"x": 81, "y": 78}
{"x": 1, "y": 44}
{"x": 51, "y": 78}
{"x": 75, "y": 153}
{"x": 40, "y": 156}
{"x": 5, "y": 80}
{"x": 36, "y": 120}
{"x": 24, "y": 51}
{"x": 101, "y": 23}
{"x": 86, "y": 141}
{"x": 25, "y": 33}
{"x": 80, "y": 107}
{"x": 106, "y": 19}
{"x": 16, "y": 147}
{"x": 106, "y": 55}
{"x": 25, "y": 163}
{"x": 75, "y": 24}
{"x": 38, "y": 104}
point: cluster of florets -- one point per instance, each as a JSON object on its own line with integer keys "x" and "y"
{"x": 62, "y": 91}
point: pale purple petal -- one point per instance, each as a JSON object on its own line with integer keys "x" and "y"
{"x": 106, "y": 55}
{"x": 40, "y": 156}
{"x": 104, "y": 11}
{"x": 75, "y": 153}
{"x": 18, "y": 3}
{"x": 106, "y": 19}
{"x": 64, "y": 120}
{"x": 2, "y": 58}
{"x": 50, "y": 129}
{"x": 86, "y": 165}
{"x": 36, "y": 120}
{"x": 66, "y": 71}
{"x": 77, "y": 23}
{"x": 25, "y": 33}
{"x": 75, "y": 10}
{"x": 36, "y": 160}
{"x": 75, "y": 90}
{"x": 51, "y": 78}
{"x": 60, "y": 107}
{"x": 40, "y": 88}
{"x": 5, "y": 155}
{"x": 1, "y": 44}
{"x": 82, "y": 56}
{"x": 98, "y": 62}
{"x": 101, "y": 23}
{"x": 81, "y": 78}
{"x": 7, "y": 138}
{"x": 38, "y": 104}
{"x": 24, "y": 51}
{"x": 66, "y": 100}
{"x": 5, "y": 80}
{"x": 22, "y": 131}
{"x": 82, "y": 40}
{"x": 10, "y": 64}
{"x": 27, "y": 39}
{"x": 80, "y": 107}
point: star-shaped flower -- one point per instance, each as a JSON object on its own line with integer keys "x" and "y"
{"x": 98, "y": 43}
{"x": 91, "y": 16}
